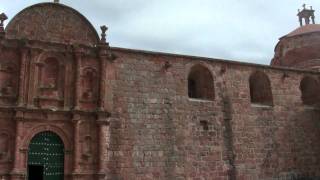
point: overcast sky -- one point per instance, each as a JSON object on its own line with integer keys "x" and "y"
{"x": 242, "y": 30}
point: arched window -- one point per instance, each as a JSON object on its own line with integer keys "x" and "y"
{"x": 260, "y": 89}
{"x": 200, "y": 83}
{"x": 309, "y": 91}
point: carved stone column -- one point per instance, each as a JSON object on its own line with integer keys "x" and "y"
{"x": 18, "y": 171}
{"x": 68, "y": 86}
{"x": 104, "y": 141}
{"x": 105, "y": 57}
{"x": 76, "y": 144}
{"x": 78, "y": 55}
{"x": 103, "y": 62}
{"x": 22, "y": 78}
{"x": 33, "y": 79}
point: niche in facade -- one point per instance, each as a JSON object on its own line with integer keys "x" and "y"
{"x": 4, "y": 145}
{"x": 49, "y": 74}
{"x": 87, "y": 148}
{"x": 89, "y": 84}
{"x": 260, "y": 89}
{"x": 200, "y": 83}
{"x": 309, "y": 91}
{"x": 8, "y": 79}
{"x": 50, "y": 79}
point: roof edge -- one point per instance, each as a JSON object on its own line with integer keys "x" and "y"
{"x": 218, "y": 60}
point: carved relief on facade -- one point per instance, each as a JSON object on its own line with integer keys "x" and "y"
{"x": 89, "y": 84}
{"x": 8, "y": 79}
{"x": 87, "y": 143}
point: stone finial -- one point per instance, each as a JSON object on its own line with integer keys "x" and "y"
{"x": 56, "y": 1}
{"x": 304, "y": 6}
{"x": 306, "y": 14}
{"x": 3, "y": 17}
{"x": 103, "y": 34}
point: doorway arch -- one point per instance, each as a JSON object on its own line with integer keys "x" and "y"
{"x": 46, "y": 157}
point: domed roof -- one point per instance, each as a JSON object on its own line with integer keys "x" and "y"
{"x": 52, "y": 22}
{"x": 309, "y": 28}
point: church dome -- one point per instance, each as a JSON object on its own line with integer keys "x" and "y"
{"x": 301, "y": 47}
{"x": 52, "y": 22}
{"x": 310, "y": 28}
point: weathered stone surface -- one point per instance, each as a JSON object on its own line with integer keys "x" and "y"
{"x": 52, "y": 22}
{"x": 300, "y": 50}
{"x": 127, "y": 114}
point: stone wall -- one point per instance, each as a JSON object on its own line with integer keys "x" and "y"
{"x": 161, "y": 133}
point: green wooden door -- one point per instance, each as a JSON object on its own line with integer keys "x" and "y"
{"x": 46, "y": 149}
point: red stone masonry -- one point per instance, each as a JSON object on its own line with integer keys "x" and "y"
{"x": 129, "y": 115}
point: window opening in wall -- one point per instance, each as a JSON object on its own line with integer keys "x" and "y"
{"x": 309, "y": 91}
{"x": 205, "y": 125}
{"x": 200, "y": 83}
{"x": 260, "y": 89}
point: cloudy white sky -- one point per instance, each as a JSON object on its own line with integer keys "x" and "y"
{"x": 242, "y": 30}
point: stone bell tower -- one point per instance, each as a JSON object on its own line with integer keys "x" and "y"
{"x": 306, "y": 14}
{"x": 300, "y": 48}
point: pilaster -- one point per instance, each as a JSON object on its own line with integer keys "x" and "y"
{"x": 103, "y": 125}
{"x": 23, "y": 77}
{"x": 78, "y": 57}
{"x": 18, "y": 170}
{"x": 76, "y": 144}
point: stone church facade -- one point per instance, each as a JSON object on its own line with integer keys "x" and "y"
{"x": 72, "y": 107}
